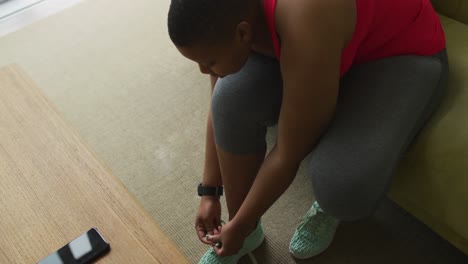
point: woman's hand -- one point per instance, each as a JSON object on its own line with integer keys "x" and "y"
{"x": 208, "y": 218}
{"x": 229, "y": 240}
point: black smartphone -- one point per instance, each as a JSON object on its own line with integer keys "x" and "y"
{"x": 82, "y": 250}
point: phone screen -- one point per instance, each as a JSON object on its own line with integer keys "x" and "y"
{"x": 81, "y": 250}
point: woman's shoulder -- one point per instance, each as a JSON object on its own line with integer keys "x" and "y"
{"x": 337, "y": 15}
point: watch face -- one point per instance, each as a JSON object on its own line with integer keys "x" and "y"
{"x": 200, "y": 190}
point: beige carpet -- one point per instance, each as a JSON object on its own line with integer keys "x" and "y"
{"x": 113, "y": 73}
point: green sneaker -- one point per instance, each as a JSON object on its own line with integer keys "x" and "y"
{"x": 314, "y": 234}
{"x": 253, "y": 241}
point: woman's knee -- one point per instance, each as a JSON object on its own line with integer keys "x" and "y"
{"x": 244, "y": 104}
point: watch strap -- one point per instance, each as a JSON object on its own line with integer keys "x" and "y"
{"x": 209, "y": 190}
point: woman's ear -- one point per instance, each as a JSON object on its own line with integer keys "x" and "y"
{"x": 244, "y": 33}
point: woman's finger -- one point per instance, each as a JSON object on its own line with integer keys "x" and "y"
{"x": 214, "y": 238}
{"x": 209, "y": 229}
{"x": 219, "y": 251}
{"x": 202, "y": 236}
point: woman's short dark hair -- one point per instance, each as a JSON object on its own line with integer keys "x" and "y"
{"x": 205, "y": 21}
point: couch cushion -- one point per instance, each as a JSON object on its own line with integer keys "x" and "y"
{"x": 456, "y": 9}
{"x": 432, "y": 180}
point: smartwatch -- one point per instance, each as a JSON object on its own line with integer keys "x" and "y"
{"x": 209, "y": 191}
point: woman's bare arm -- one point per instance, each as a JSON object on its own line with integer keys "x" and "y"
{"x": 212, "y": 172}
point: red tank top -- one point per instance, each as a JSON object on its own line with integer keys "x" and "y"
{"x": 383, "y": 28}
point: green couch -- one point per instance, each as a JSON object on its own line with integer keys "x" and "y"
{"x": 432, "y": 180}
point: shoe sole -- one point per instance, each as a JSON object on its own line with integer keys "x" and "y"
{"x": 316, "y": 254}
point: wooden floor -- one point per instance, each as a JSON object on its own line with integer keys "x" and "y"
{"x": 29, "y": 12}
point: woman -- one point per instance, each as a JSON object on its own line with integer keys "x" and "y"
{"x": 348, "y": 82}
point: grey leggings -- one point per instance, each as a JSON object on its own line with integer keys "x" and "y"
{"x": 382, "y": 106}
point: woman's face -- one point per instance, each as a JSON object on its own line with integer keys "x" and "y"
{"x": 217, "y": 60}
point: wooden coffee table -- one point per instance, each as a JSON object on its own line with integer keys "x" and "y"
{"x": 54, "y": 188}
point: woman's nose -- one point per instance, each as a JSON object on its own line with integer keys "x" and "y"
{"x": 204, "y": 69}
